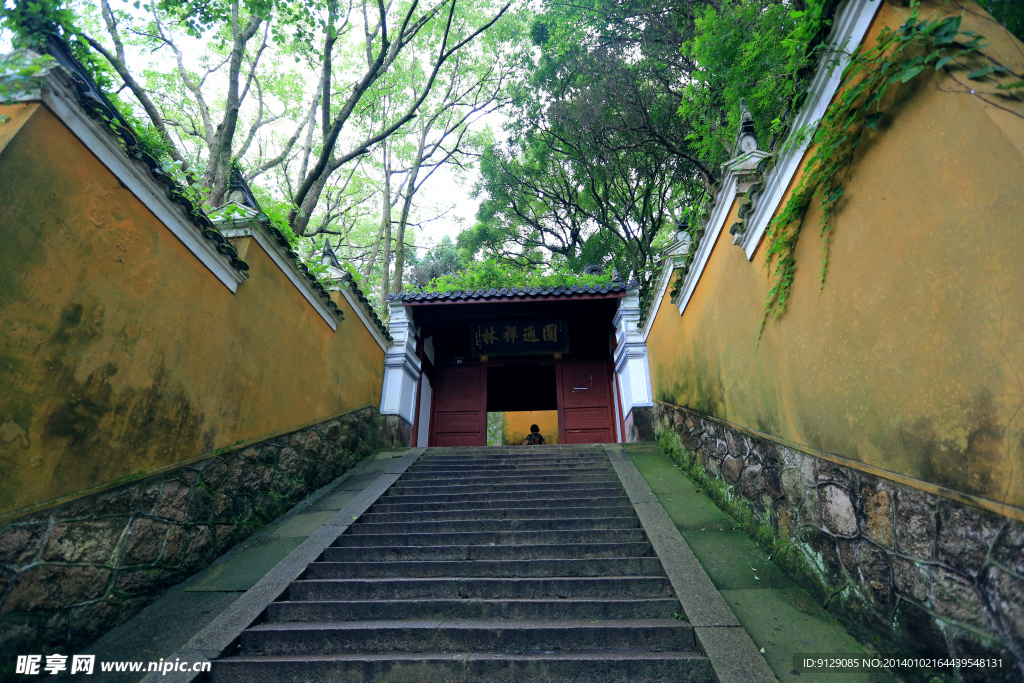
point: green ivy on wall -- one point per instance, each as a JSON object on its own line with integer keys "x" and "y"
{"x": 898, "y": 57}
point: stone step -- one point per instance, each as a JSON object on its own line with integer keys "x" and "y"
{"x": 565, "y": 487}
{"x": 518, "y": 479}
{"x": 504, "y": 472}
{"x": 471, "y": 525}
{"x": 567, "y": 450}
{"x": 496, "y": 538}
{"x": 487, "y": 552}
{"x": 573, "y": 608}
{"x": 565, "y": 493}
{"x": 374, "y": 517}
{"x": 502, "y": 463}
{"x": 618, "y": 566}
{"x": 482, "y": 564}
{"x": 504, "y": 504}
{"x": 459, "y": 667}
{"x": 617, "y": 587}
{"x": 470, "y": 635}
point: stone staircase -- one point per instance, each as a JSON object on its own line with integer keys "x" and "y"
{"x": 482, "y": 564}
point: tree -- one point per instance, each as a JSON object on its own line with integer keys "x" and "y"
{"x": 441, "y": 259}
{"x": 631, "y": 107}
{"x": 384, "y": 41}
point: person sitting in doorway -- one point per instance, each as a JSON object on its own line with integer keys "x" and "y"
{"x": 534, "y": 438}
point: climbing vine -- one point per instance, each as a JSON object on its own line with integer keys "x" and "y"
{"x": 897, "y": 57}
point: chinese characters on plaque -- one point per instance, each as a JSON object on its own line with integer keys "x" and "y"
{"x": 520, "y": 338}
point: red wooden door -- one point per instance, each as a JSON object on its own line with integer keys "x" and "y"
{"x": 585, "y": 413}
{"x": 460, "y": 406}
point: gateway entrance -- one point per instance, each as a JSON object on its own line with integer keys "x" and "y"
{"x": 459, "y": 355}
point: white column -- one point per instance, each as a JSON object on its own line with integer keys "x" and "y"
{"x": 631, "y": 355}
{"x": 401, "y": 366}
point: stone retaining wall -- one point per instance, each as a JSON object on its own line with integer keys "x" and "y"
{"x": 909, "y": 570}
{"x": 70, "y": 573}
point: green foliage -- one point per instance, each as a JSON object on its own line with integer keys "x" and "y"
{"x": 20, "y": 73}
{"x": 756, "y": 523}
{"x": 441, "y": 259}
{"x": 494, "y": 274}
{"x": 1009, "y": 13}
{"x": 32, "y": 23}
{"x": 276, "y": 210}
{"x": 897, "y": 57}
{"x": 745, "y": 49}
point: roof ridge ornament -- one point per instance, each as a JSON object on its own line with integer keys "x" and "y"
{"x": 746, "y": 138}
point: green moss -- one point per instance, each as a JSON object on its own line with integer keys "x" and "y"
{"x": 786, "y": 552}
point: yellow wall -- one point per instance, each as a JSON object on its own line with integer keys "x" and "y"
{"x": 910, "y": 358}
{"x": 120, "y": 353}
{"x": 517, "y": 425}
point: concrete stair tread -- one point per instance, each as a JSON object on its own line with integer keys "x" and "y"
{"x": 545, "y": 601}
{"x": 597, "y": 655}
{"x": 503, "y": 503}
{"x": 433, "y": 624}
{"x": 429, "y": 498}
{"x": 537, "y": 551}
{"x": 505, "y": 537}
{"x": 471, "y": 514}
{"x": 480, "y": 587}
{"x": 551, "y": 524}
{"x": 497, "y": 568}
{"x": 474, "y": 608}
{"x": 423, "y": 635}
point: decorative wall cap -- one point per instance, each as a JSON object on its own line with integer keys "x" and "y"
{"x": 68, "y": 90}
{"x": 751, "y": 174}
{"x": 849, "y": 27}
{"x": 359, "y": 302}
{"x": 236, "y": 221}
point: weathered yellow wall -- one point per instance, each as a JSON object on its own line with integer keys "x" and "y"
{"x": 517, "y": 425}
{"x": 120, "y": 353}
{"x": 910, "y": 358}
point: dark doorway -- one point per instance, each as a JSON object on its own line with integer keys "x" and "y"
{"x": 521, "y": 386}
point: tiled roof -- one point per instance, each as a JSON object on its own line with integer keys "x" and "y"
{"x": 365, "y": 303}
{"x": 507, "y": 293}
{"x": 96, "y": 104}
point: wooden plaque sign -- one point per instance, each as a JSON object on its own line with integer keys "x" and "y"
{"x": 520, "y": 338}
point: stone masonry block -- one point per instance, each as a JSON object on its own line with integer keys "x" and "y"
{"x": 174, "y": 501}
{"x": 965, "y": 535}
{"x": 915, "y": 524}
{"x": 1009, "y": 547}
{"x": 20, "y": 543}
{"x": 731, "y": 469}
{"x": 213, "y": 474}
{"x": 145, "y": 541}
{"x": 837, "y": 510}
{"x": 752, "y": 481}
{"x": 910, "y": 579}
{"x": 92, "y": 620}
{"x": 81, "y": 541}
{"x": 955, "y": 596}
{"x": 792, "y": 486}
{"x": 876, "y": 513}
{"x": 1006, "y": 595}
{"x": 52, "y": 587}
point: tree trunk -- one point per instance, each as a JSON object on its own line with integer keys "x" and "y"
{"x": 410, "y": 191}
{"x": 385, "y": 227}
